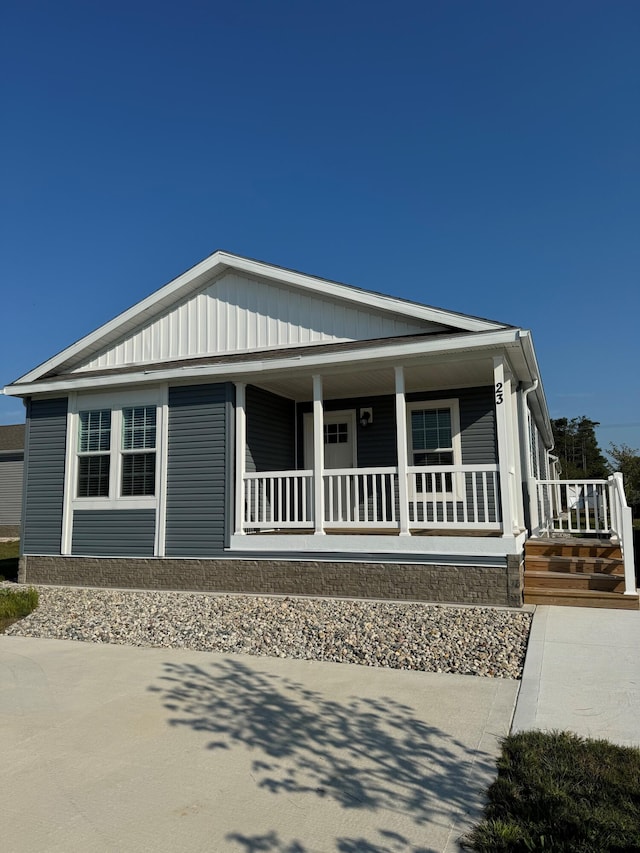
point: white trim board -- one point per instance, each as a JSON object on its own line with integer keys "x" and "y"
{"x": 236, "y": 370}
{"x": 481, "y": 546}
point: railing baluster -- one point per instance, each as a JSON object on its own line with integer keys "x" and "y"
{"x": 374, "y": 507}
{"x": 365, "y": 498}
{"x": 393, "y": 489}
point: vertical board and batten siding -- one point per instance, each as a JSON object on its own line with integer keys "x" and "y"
{"x": 46, "y": 437}
{"x": 113, "y": 533}
{"x": 237, "y": 313}
{"x": 11, "y": 477}
{"x": 270, "y": 431}
{"x": 199, "y": 491}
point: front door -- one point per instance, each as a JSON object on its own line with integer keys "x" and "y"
{"x": 339, "y": 452}
{"x": 339, "y": 440}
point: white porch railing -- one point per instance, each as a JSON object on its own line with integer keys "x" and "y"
{"x": 454, "y": 495}
{"x": 586, "y": 507}
{"x": 275, "y": 499}
{"x": 574, "y": 506}
{"x": 448, "y": 496}
{"x": 361, "y": 497}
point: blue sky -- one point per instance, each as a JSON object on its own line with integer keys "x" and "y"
{"x": 477, "y": 156}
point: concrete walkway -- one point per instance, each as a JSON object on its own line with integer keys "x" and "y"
{"x": 582, "y": 673}
{"x": 113, "y": 748}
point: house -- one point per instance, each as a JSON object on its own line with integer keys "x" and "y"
{"x": 250, "y": 428}
{"x": 11, "y": 465}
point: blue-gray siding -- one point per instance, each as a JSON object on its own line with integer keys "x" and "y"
{"x": 11, "y": 473}
{"x": 46, "y": 435}
{"x": 270, "y": 431}
{"x": 199, "y": 492}
{"x": 114, "y": 532}
{"x": 377, "y": 442}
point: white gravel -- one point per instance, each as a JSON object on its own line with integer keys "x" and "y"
{"x": 434, "y": 638}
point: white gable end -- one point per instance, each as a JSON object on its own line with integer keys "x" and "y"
{"x": 236, "y": 313}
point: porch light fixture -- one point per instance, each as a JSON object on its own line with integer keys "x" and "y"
{"x": 366, "y": 417}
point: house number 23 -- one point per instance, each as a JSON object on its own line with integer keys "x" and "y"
{"x": 499, "y": 393}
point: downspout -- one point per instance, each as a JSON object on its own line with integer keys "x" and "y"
{"x": 533, "y": 521}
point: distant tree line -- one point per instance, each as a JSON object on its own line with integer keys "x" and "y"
{"x": 581, "y": 458}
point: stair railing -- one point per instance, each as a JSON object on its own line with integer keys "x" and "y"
{"x": 587, "y": 506}
{"x": 622, "y": 529}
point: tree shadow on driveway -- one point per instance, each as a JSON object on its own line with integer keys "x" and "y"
{"x": 369, "y": 754}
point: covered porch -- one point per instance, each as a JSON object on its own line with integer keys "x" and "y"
{"x": 382, "y": 458}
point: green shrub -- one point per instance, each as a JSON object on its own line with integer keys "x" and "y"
{"x": 564, "y": 793}
{"x": 16, "y": 603}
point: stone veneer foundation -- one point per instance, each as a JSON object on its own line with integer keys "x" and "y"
{"x": 391, "y": 581}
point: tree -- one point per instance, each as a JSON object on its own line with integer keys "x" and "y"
{"x": 577, "y": 449}
{"x": 627, "y": 460}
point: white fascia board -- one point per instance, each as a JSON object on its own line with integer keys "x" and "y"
{"x": 219, "y": 261}
{"x": 529, "y": 353}
{"x": 201, "y": 271}
{"x": 230, "y": 371}
{"x": 359, "y": 297}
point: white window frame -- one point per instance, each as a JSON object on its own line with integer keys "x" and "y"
{"x": 116, "y": 403}
{"x": 457, "y": 480}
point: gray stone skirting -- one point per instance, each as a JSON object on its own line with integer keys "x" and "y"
{"x": 391, "y": 581}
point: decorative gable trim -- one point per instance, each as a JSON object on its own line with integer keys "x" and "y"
{"x": 204, "y": 274}
{"x": 239, "y": 314}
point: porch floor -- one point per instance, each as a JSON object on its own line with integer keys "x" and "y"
{"x": 375, "y": 531}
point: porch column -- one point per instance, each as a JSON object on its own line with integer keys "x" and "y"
{"x": 502, "y": 392}
{"x": 241, "y": 450}
{"x": 401, "y": 444}
{"x": 318, "y": 456}
{"x": 518, "y": 495}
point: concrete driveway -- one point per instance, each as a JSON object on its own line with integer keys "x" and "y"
{"x": 113, "y": 748}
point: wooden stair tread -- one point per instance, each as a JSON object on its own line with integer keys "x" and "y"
{"x": 533, "y": 573}
{"x": 574, "y": 546}
{"x": 581, "y": 598}
{"x": 574, "y": 565}
{"x": 585, "y": 572}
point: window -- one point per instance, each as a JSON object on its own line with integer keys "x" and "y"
{"x": 434, "y": 441}
{"x": 94, "y": 445}
{"x": 138, "y": 439}
{"x": 116, "y": 453}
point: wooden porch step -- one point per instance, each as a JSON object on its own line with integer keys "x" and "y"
{"x": 571, "y": 581}
{"x": 581, "y": 598}
{"x": 602, "y": 548}
{"x": 585, "y": 572}
{"x": 573, "y": 564}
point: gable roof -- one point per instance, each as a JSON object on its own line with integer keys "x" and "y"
{"x": 222, "y": 284}
{"x": 12, "y": 437}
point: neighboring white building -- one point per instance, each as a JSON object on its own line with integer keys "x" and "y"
{"x": 11, "y": 468}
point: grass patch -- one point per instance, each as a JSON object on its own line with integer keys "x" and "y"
{"x": 9, "y": 552}
{"x": 562, "y": 793}
{"x": 16, "y": 603}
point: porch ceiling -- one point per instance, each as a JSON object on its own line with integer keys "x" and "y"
{"x": 372, "y": 381}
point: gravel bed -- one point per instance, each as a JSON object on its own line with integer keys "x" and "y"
{"x": 433, "y": 638}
